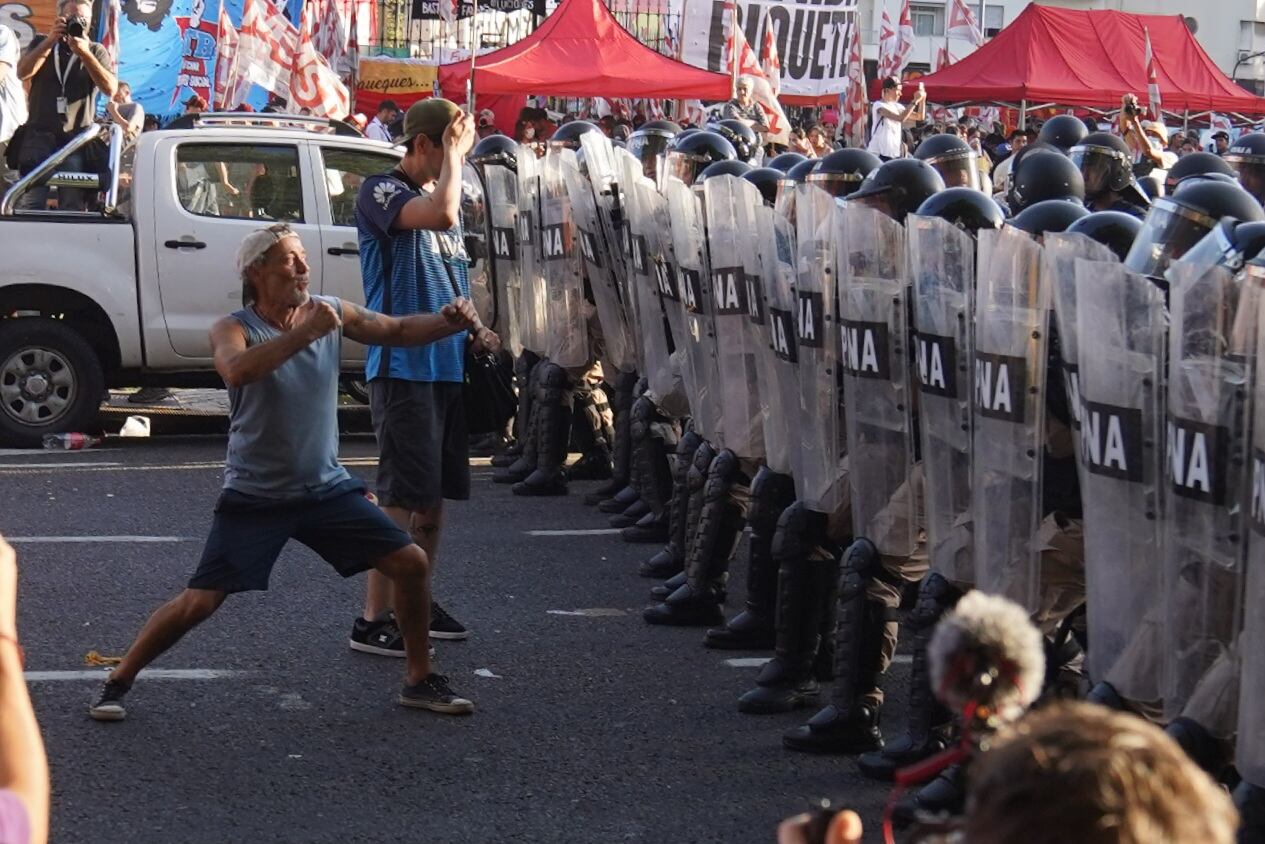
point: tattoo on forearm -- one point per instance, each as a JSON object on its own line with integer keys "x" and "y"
{"x": 365, "y": 315}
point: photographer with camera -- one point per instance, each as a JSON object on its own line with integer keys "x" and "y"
{"x": 65, "y": 71}
{"x": 1146, "y": 138}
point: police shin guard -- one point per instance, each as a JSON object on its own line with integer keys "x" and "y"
{"x": 671, "y": 559}
{"x": 621, "y": 402}
{"x": 1208, "y": 752}
{"x": 698, "y": 602}
{"x": 654, "y": 478}
{"x": 930, "y": 725}
{"x": 1250, "y": 801}
{"x": 788, "y": 681}
{"x": 752, "y": 628}
{"x": 522, "y": 417}
{"x": 553, "y": 408}
{"x": 525, "y": 463}
{"x": 850, "y": 724}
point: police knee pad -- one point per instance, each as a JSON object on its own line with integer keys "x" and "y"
{"x": 641, "y": 419}
{"x": 699, "y": 464}
{"x": 798, "y": 530}
{"x": 552, "y": 383}
{"x": 687, "y": 445}
{"x": 863, "y": 558}
{"x": 722, "y": 472}
{"x": 769, "y": 491}
{"x": 936, "y": 595}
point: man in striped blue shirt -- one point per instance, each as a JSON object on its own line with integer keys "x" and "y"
{"x": 413, "y": 260}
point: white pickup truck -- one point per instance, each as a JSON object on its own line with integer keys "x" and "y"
{"x": 125, "y": 295}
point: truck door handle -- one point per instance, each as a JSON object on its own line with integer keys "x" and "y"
{"x": 185, "y": 244}
{"x": 342, "y": 250}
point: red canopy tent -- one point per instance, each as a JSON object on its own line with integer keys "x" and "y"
{"x": 1091, "y": 59}
{"x": 581, "y": 51}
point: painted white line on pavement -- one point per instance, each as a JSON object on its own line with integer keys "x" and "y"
{"x": 148, "y": 674}
{"x": 26, "y": 468}
{"x": 49, "y": 540}
{"x": 40, "y": 452}
{"x": 595, "y": 612}
{"x": 592, "y": 532}
{"x": 758, "y": 661}
{"x": 55, "y": 465}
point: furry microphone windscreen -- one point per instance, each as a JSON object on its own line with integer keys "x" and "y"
{"x": 986, "y": 655}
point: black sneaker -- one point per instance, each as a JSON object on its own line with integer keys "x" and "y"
{"x": 382, "y": 638}
{"x": 435, "y": 694}
{"x": 109, "y": 705}
{"x": 444, "y": 626}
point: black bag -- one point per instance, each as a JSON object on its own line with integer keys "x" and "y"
{"x": 13, "y": 152}
{"x": 489, "y": 392}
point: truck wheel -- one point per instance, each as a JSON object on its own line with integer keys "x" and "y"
{"x": 50, "y": 381}
{"x": 356, "y": 388}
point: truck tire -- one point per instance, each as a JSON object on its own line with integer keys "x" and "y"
{"x": 50, "y": 381}
{"x": 355, "y": 388}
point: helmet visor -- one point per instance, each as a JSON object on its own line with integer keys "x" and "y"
{"x": 1169, "y": 233}
{"x": 838, "y": 185}
{"x": 684, "y": 166}
{"x": 1213, "y": 248}
{"x": 1101, "y": 167}
{"x": 882, "y": 201}
{"x": 958, "y": 170}
{"x": 1251, "y": 172}
{"x": 784, "y": 204}
{"x": 648, "y": 148}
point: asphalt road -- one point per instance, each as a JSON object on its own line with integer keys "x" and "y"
{"x": 589, "y": 727}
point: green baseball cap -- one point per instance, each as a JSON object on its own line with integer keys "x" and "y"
{"x": 429, "y": 117}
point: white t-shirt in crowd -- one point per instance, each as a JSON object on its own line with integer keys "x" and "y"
{"x": 12, "y": 97}
{"x": 378, "y": 131}
{"x": 885, "y": 140}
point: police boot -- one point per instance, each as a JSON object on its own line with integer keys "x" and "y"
{"x": 591, "y": 419}
{"x": 849, "y": 725}
{"x": 1250, "y": 801}
{"x": 553, "y": 402}
{"x": 944, "y": 795}
{"x": 522, "y": 417}
{"x": 635, "y": 513}
{"x": 930, "y": 726}
{"x": 667, "y": 587}
{"x": 525, "y": 463}
{"x": 654, "y": 477}
{"x": 671, "y": 559}
{"x": 698, "y": 602}
{"x": 753, "y": 627}
{"x": 621, "y": 403}
{"x": 788, "y": 681}
{"x": 1208, "y": 752}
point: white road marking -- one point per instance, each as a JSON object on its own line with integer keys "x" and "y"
{"x": 758, "y": 661}
{"x": 56, "y": 465}
{"x": 32, "y": 452}
{"x": 486, "y": 672}
{"x": 29, "y": 468}
{"x": 590, "y": 532}
{"x": 148, "y": 674}
{"x": 50, "y": 540}
{"x": 595, "y": 612}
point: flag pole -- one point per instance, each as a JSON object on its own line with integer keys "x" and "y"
{"x": 733, "y": 52}
{"x": 474, "y": 54}
{"x": 216, "y": 72}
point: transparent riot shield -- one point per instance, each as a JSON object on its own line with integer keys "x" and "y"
{"x": 599, "y": 267}
{"x": 727, "y": 202}
{"x": 820, "y": 437}
{"x": 693, "y": 291}
{"x": 773, "y": 332}
{"x": 476, "y": 228}
{"x": 1122, "y": 326}
{"x": 1250, "y": 746}
{"x": 566, "y": 331}
{"x": 942, "y": 267}
{"x": 1060, "y": 252}
{"x": 874, "y": 361}
{"x": 533, "y": 302}
{"x": 1205, "y": 455}
{"x": 1011, "y": 313}
{"x": 502, "y": 196}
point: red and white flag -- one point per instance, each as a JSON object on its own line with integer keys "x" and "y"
{"x": 230, "y": 87}
{"x": 313, "y": 83}
{"x": 962, "y": 24}
{"x": 904, "y": 38}
{"x": 854, "y": 100}
{"x": 448, "y": 11}
{"x": 1152, "y": 80}
{"x": 740, "y": 55}
{"x": 943, "y": 59}
{"x": 110, "y": 33}
{"x": 331, "y": 32}
{"x": 267, "y": 47}
{"x": 886, "y": 45}
{"x": 770, "y": 63}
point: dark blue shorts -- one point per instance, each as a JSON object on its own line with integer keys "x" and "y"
{"x": 345, "y": 528}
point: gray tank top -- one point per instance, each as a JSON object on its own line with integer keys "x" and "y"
{"x": 283, "y": 429}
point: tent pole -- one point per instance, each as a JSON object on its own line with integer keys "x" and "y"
{"x": 1023, "y": 114}
{"x": 474, "y": 54}
{"x": 1186, "y": 122}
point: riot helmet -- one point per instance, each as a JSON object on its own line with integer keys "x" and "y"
{"x": 1151, "y": 185}
{"x": 649, "y": 143}
{"x": 1230, "y": 244}
{"x": 968, "y": 209}
{"x": 1114, "y": 229}
{"x": 495, "y": 150}
{"x": 1063, "y": 131}
{"x": 1178, "y": 222}
{"x": 1042, "y": 176}
{"x": 723, "y": 168}
{"x": 746, "y": 142}
{"x": 1105, "y": 162}
{"x": 766, "y": 181}
{"x": 568, "y": 134}
{"x": 1195, "y": 164}
{"x": 786, "y": 160}
{"x": 786, "y": 186}
{"x": 1049, "y": 215}
{"x": 1247, "y": 158}
{"x": 898, "y": 187}
{"x": 690, "y": 154}
{"x": 841, "y": 172}
{"x": 953, "y": 159}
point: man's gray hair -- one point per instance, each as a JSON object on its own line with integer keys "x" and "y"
{"x": 254, "y": 251}
{"x": 747, "y": 80}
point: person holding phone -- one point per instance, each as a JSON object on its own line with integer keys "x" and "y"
{"x": 888, "y": 118}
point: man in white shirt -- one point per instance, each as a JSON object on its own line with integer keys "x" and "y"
{"x": 12, "y": 97}
{"x": 387, "y": 114}
{"x": 888, "y": 117}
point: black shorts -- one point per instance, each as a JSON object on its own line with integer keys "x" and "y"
{"x": 423, "y": 444}
{"x": 248, "y": 533}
